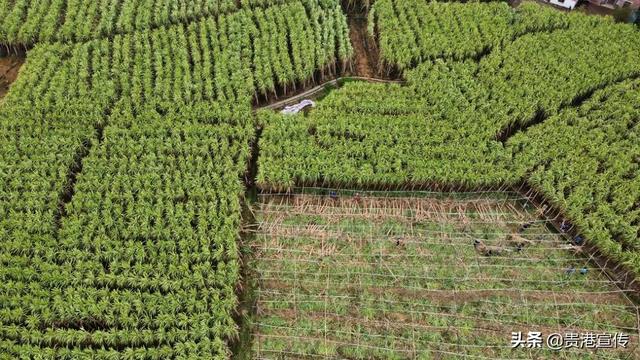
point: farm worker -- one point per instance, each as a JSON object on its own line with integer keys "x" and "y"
{"x": 578, "y": 240}
{"x": 334, "y": 195}
{"x": 570, "y": 270}
{"x": 356, "y": 197}
{"x": 584, "y": 271}
{"x": 564, "y": 226}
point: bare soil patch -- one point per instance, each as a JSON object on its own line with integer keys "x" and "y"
{"x": 364, "y": 58}
{"x": 9, "y": 69}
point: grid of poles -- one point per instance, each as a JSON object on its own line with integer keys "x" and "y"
{"x": 354, "y": 274}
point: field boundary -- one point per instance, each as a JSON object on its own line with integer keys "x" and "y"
{"x": 337, "y": 82}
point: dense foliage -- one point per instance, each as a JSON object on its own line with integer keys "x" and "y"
{"x": 412, "y": 31}
{"x": 29, "y": 21}
{"x": 123, "y": 143}
{"x": 502, "y": 91}
{"x": 146, "y": 258}
{"x": 35, "y": 159}
{"x": 445, "y": 126}
{"x": 561, "y": 69}
{"x": 464, "y": 122}
{"x": 226, "y": 58}
{"x": 123, "y": 161}
{"x": 586, "y": 160}
{"x": 388, "y": 139}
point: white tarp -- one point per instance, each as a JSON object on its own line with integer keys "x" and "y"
{"x": 567, "y": 4}
{"x": 294, "y": 109}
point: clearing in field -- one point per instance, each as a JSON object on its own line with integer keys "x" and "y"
{"x": 9, "y": 67}
{"x": 397, "y": 276}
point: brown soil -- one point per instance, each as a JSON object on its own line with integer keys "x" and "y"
{"x": 592, "y": 9}
{"x": 364, "y": 57}
{"x": 9, "y": 69}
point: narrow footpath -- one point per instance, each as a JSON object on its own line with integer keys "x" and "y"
{"x": 363, "y": 54}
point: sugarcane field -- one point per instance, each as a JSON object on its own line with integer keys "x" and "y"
{"x": 319, "y": 179}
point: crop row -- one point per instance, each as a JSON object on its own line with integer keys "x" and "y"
{"x": 120, "y": 232}
{"x": 124, "y": 158}
{"x": 501, "y": 92}
{"x": 410, "y": 32}
{"x": 142, "y": 259}
{"x": 448, "y": 125}
{"x": 28, "y": 22}
{"x": 334, "y": 148}
{"x": 212, "y": 59}
{"x": 34, "y": 175}
{"x": 472, "y": 123}
{"x": 586, "y": 160}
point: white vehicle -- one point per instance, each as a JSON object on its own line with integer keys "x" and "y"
{"x": 294, "y": 109}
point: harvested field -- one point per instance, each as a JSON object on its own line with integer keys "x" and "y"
{"x": 369, "y": 276}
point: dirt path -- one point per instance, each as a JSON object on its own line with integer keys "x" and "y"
{"x": 364, "y": 64}
{"x": 9, "y": 68}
